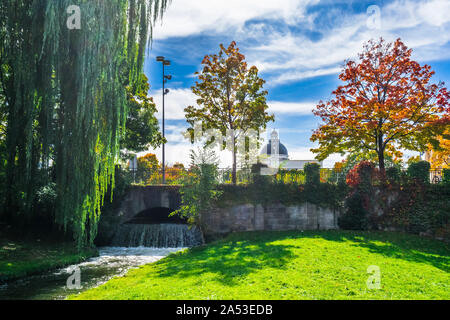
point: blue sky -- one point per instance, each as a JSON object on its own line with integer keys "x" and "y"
{"x": 299, "y": 48}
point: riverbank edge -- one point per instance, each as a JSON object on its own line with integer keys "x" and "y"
{"x": 67, "y": 257}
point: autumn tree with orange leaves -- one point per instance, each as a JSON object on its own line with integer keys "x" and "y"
{"x": 230, "y": 98}
{"x": 439, "y": 155}
{"x": 387, "y": 104}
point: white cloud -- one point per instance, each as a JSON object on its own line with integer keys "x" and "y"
{"x": 286, "y": 56}
{"x": 185, "y": 18}
{"x": 175, "y": 103}
{"x": 298, "y": 75}
{"x": 178, "y": 99}
{"x": 435, "y": 12}
{"x": 423, "y": 26}
{"x": 299, "y": 108}
{"x": 408, "y": 14}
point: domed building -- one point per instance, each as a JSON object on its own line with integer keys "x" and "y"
{"x": 275, "y": 155}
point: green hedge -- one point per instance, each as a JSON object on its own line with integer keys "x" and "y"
{"x": 265, "y": 191}
{"x": 312, "y": 172}
{"x": 446, "y": 176}
{"x": 420, "y": 170}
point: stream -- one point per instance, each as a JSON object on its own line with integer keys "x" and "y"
{"x": 111, "y": 262}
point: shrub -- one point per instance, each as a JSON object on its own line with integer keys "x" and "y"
{"x": 359, "y": 202}
{"x": 312, "y": 172}
{"x": 290, "y": 176}
{"x": 46, "y": 198}
{"x": 446, "y": 176}
{"x": 430, "y": 212}
{"x": 200, "y": 187}
{"x": 355, "y": 218}
{"x": 361, "y": 175}
{"x": 419, "y": 170}
{"x": 420, "y": 208}
{"x": 256, "y": 168}
{"x": 393, "y": 174}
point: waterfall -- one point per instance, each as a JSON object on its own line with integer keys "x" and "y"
{"x": 157, "y": 236}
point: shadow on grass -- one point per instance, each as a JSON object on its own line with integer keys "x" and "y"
{"x": 390, "y": 244}
{"x": 396, "y": 245}
{"x": 229, "y": 260}
{"x": 243, "y": 253}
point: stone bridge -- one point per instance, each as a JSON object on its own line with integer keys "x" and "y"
{"x": 153, "y": 204}
{"x": 150, "y": 204}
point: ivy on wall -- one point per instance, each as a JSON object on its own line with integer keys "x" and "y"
{"x": 267, "y": 190}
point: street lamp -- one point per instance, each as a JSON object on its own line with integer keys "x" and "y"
{"x": 165, "y": 91}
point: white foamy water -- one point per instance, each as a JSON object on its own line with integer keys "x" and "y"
{"x": 164, "y": 235}
{"x": 125, "y": 257}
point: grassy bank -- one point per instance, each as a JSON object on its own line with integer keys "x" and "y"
{"x": 292, "y": 265}
{"x": 19, "y": 258}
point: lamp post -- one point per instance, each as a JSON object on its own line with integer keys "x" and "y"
{"x": 165, "y": 91}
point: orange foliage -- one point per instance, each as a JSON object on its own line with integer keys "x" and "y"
{"x": 387, "y": 103}
{"x": 440, "y": 158}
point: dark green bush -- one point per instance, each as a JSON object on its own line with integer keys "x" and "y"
{"x": 46, "y": 198}
{"x": 420, "y": 208}
{"x": 312, "y": 172}
{"x": 264, "y": 191}
{"x": 446, "y": 176}
{"x": 359, "y": 203}
{"x": 393, "y": 174}
{"x": 431, "y": 213}
{"x": 256, "y": 168}
{"x": 355, "y": 218}
{"x": 420, "y": 170}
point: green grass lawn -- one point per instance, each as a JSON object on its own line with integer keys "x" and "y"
{"x": 19, "y": 258}
{"x": 292, "y": 265}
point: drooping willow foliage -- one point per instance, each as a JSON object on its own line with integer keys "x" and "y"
{"x": 64, "y": 92}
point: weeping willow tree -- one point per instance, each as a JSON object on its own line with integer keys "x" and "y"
{"x": 64, "y": 93}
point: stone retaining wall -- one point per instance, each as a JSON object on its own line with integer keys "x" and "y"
{"x": 248, "y": 217}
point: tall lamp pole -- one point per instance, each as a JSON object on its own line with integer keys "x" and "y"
{"x": 165, "y": 91}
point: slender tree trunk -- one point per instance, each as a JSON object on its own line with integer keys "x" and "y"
{"x": 381, "y": 148}
{"x": 381, "y": 161}
{"x": 233, "y": 174}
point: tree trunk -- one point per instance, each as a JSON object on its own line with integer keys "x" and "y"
{"x": 381, "y": 161}
{"x": 233, "y": 174}
{"x": 380, "y": 152}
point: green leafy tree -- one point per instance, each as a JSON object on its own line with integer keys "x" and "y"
{"x": 230, "y": 98}
{"x": 199, "y": 186}
{"x": 141, "y": 129}
{"x": 147, "y": 168}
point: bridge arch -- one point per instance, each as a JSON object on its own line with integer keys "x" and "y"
{"x": 150, "y": 204}
{"x": 156, "y": 215}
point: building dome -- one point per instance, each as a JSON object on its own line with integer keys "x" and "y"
{"x": 282, "y": 150}
{"x": 274, "y": 140}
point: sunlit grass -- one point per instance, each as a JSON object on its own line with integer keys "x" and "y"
{"x": 292, "y": 265}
